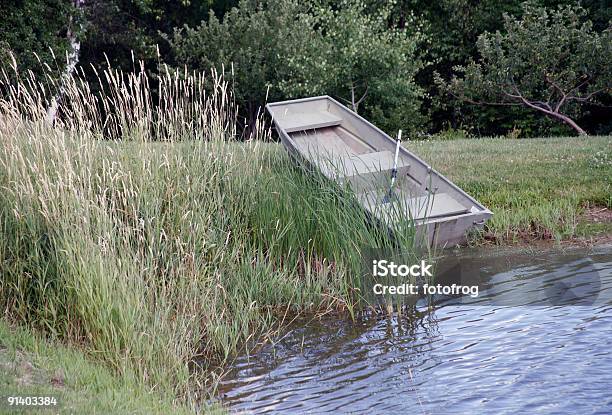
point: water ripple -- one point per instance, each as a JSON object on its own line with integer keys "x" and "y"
{"x": 517, "y": 353}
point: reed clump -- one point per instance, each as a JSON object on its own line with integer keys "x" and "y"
{"x": 137, "y": 227}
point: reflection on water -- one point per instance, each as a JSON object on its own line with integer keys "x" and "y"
{"x": 518, "y": 348}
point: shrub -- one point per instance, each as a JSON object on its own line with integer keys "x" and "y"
{"x": 283, "y": 49}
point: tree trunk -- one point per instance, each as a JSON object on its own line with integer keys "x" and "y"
{"x": 557, "y": 115}
{"x": 73, "y": 59}
{"x": 570, "y": 122}
{"x": 354, "y": 104}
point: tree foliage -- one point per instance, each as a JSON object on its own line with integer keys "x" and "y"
{"x": 281, "y": 49}
{"x": 356, "y": 57}
{"x": 34, "y": 29}
{"x": 550, "y": 61}
{"x": 247, "y": 44}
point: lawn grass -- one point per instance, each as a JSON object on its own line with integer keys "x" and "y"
{"x": 32, "y": 366}
{"x": 537, "y": 188}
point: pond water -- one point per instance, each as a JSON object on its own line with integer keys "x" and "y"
{"x": 537, "y": 339}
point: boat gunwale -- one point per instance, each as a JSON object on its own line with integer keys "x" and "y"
{"x": 483, "y": 210}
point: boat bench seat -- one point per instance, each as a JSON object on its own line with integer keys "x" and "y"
{"x": 307, "y": 121}
{"x": 324, "y": 145}
{"x": 420, "y": 207}
{"x": 364, "y": 164}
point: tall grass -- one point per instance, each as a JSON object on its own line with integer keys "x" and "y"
{"x": 137, "y": 227}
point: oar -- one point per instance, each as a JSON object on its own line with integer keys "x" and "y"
{"x": 390, "y": 194}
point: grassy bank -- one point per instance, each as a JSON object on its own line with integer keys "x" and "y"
{"x": 138, "y": 231}
{"x": 540, "y": 188}
{"x": 156, "y": 257}
{"x": 32, "y": 366}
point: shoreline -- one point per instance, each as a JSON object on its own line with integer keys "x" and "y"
{"x": 592, "y": 219}
{"x": 253, "y": 290}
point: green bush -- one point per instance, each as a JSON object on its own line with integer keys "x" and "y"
{"x": 283, "y": 49}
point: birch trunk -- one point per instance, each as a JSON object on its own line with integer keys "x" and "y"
{"x": 71, "y": 63}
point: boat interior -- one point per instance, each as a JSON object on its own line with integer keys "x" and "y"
{"x": 356, "y": 154}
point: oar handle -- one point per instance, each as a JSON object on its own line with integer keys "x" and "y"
{"x": 397, "y": 147}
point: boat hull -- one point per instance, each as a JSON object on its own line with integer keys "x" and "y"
{"x": 346, "y": 148}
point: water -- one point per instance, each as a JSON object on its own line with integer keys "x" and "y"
{"x": 538, "y": 339}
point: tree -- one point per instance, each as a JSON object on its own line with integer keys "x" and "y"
{"x": 282, "y": 49}
{"x": 550, "y": 61}
{"x": 356, "y": 57}
{"x": 72, "y": 59}
{"x": 35, "y": 29}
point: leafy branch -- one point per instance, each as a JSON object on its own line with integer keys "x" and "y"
{"x": 550, "y": 61}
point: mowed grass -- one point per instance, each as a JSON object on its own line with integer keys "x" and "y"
{"x": 537, "y": 188}
{"x": 31, "y": 366}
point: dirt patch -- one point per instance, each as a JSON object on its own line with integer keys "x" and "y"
{"x": 597, "y": 214}
{"x": 23, "y": 371}
{"x": 598, "y": 217}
